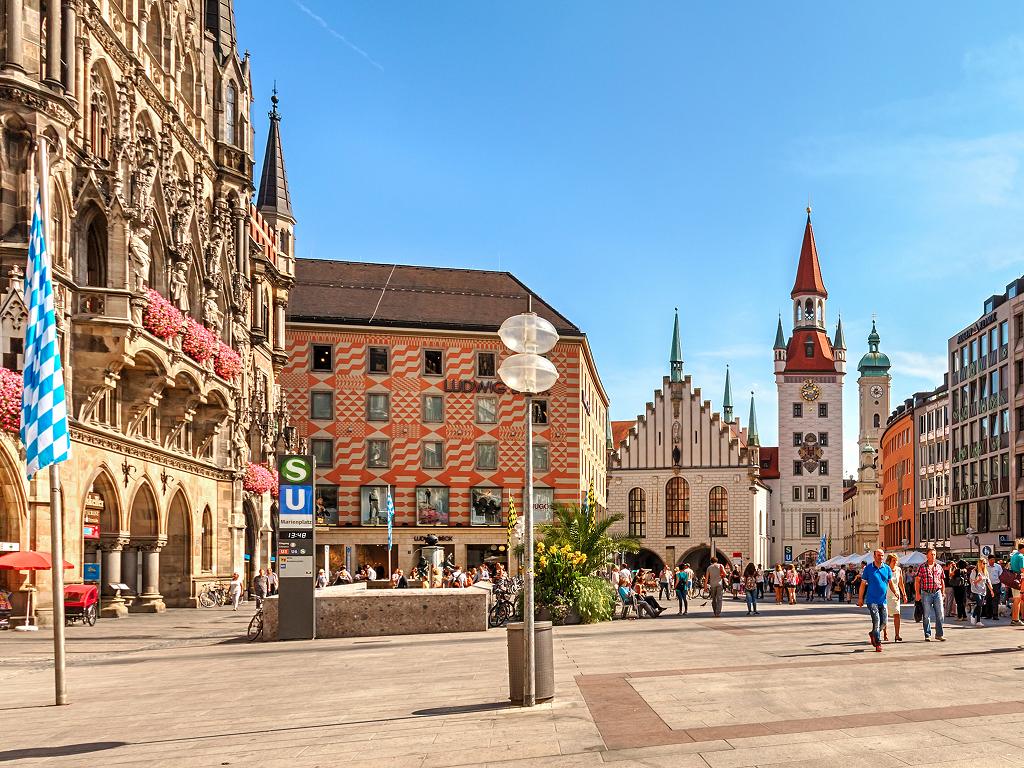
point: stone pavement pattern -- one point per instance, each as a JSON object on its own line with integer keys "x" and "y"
{"x": 796, "y": 686}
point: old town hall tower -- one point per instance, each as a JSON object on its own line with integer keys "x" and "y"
{"x": 809, "y": 371}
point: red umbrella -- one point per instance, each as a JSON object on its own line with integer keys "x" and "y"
{"x": 28, "y": 560}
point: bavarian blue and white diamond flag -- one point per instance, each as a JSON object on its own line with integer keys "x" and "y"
{"x": 390, "y": 511}
{"x": 44, "y": 416}
{"x": 822, "y": 557}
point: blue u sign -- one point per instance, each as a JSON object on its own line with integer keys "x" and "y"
{"x": 296, "y": 506}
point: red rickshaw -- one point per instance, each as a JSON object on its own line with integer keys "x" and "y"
{"x": 81, "y": 603}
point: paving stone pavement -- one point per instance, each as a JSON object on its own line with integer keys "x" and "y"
{"x": 796, "y": 686}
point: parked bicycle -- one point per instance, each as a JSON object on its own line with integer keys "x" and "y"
{"x": 506, "y": 600}
{"x": 214, "y": 593}
{"x": 698, "y": 591}
{"x": 255, "y": 631}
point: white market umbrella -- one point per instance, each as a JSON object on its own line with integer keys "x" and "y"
{"x": 914, "y": 558}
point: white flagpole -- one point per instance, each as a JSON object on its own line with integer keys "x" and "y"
{"x": 387, "y": 512}
{"x": 56, "y": 523}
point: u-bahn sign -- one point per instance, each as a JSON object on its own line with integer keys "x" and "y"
{"x": 296, "y": 548}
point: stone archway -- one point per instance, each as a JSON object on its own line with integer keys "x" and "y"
{"x": 143, "y": 525}
{"x": 645, "y": 559}
{"x": 699, "y": 558}
{"x": 13, "y": 515}
{"x": 176, "y": 556}
{"x": 252, "y": 538}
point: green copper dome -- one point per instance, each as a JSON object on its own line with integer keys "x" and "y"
{"x": 875, "y": 362}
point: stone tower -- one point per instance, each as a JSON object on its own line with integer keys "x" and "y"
{"x": 809, "y": 371}
{"x": 873, "y": 386}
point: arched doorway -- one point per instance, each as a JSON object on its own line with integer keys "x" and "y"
{"x": 13, "y": 511}
{"x": 252, "y": 537}
{"x": 807, "y": 558}
{"x": 176, "y": 556}
{"x": 644, "y": 559}
{"x": 138, "y": 570}
{"x": 699, "y": 558}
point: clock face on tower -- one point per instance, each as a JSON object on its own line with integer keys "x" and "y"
{"x": 876, "y": 391}
{"x": 810, "y": 391}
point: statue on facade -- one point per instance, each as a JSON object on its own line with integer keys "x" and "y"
{"x": 179, "y": 286}
{"x": 139, "y": 257}
{"x": 212, "y": 316}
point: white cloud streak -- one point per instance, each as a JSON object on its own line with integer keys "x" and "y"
{"x": 918, "y": 365}
{"x": 335, "y": 33}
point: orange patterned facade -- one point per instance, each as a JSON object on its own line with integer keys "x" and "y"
{"x": 438, "y": 453}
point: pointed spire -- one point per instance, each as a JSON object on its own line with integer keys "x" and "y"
{"x": 780, "y": 336}
{"x": 727, "y": 399}
{"x": 608, "y": 434}
{"x": 873, "y": 338}
{"x": 273, "y": 196}
{"x": 752, "y": 438}
{"x": 840, "y": 341}
{"x": 676, "y": 357}
{"x": 808, "y": 271}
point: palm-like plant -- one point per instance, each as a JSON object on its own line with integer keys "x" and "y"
{"x": 587, "y": 534}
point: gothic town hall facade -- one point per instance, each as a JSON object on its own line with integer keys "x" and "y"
{"x": 170, "y": 285}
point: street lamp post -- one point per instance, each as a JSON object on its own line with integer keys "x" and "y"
{"x": 529, "y": 336}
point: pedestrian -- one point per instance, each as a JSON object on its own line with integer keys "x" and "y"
{"x": 778, "y": 582}
{"x": 321, "y": 579}
{"x": 235, "y": 590}
{"x": 1016, "y": 567}
{"x": 260, "y": 587}
{"x": 682, "y": 583}
{"x": 807, "y": 580}
{"x": 875, "y": 585}
{"x": 841, "y": 584}
{"x": 750, "y": 588}
{"x": 664, "y": 579}
{"x": 714, "y": 578}
{"x": 792, "y": 582}
{"x": 273, "y": 581}
{"x": 949, "y": 602}
{"x": 961, "y": 578}
{"x": 980, "y": 590}
{"x": 995, "y": 571}
{"x": 823, "y": 576}
{"x": 928, "y": 585}
{"x": 734, "y": 580}
{"x": 403, "y": 582}
{"x": 895, "y": 597}
{"x": 759, "y": 575}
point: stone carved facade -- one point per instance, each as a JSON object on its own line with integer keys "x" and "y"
{"x": 144, "y": 114}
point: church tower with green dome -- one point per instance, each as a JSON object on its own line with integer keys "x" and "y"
{"x": 873, "y": 384}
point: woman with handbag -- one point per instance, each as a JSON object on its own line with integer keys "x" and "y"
{"x": 980, "y": 590}
{"x": 894, "y": 597}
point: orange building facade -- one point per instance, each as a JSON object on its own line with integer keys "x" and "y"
{"x": 898, "y": 480}
{"x": 420, "y": 412}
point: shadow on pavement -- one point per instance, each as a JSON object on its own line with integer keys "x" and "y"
{"x": 62, "y": 751}
{"x": 463, "y": 709}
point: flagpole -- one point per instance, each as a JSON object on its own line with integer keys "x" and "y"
{"x": 388, "y": 513}
{"x": 56, "y": 507}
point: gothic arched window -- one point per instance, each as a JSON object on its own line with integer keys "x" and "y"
{"x": 99, "y": 118}
{"x": 96, "y": 252}
{"x": 230, "y": 114}
{"x": 207, "y": 541}
{"x": 808, "y": 310}
{"x": 637, "y": 512}
{"x": 876, "y": 421}
{"x": 677, "y": 507}
{"x": 718, "y": 511}
{"x": 155, "y": 33}
{"x": 188, "y": 82}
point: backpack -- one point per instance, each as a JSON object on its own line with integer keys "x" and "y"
{"x": 963, "y": 578}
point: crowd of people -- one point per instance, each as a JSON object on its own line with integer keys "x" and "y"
{"x": 985, "y": 589}
{"x": 446, "y": 577}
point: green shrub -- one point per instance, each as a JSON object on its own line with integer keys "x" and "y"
{"x": 595, "y": 600}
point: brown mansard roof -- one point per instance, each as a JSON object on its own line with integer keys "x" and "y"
{"x": 360, "y": 293}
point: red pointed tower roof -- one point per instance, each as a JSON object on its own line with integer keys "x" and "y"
{"x": 808, "y": 271}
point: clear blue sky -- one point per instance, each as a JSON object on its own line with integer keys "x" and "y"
{"x": 626, "y": 158}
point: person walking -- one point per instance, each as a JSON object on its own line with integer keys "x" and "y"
{"x": 995, "y": 571}
{"x": 750, "y": 588}
{"x": 273, "y": 582}
{"x": 929, "y": 585}
{"x": 682, "y": 583}
{"x": 961, "y": 578}
{"x": 823, "y": 584}
{"x": 895, "y": 597}
{"x": 792, "y": 582}
{"x": 235, "y": 590}
{"x": 759, "y": 575}
{"x": 875, "y": 585}
{"x": 779, "y": 583}
{"x": 981, "y": 589}
{"x": 260, "y": 587}
{"x": 1016, "y": 567}
{"x": 664, "y": 578}
{"x": 714, "y": 580}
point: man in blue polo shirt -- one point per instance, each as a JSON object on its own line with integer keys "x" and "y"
{"x": 875, "y": 581}
{"x": 1017, "y": 567}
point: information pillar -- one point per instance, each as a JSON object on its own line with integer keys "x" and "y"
{"x": 296, "y": 549}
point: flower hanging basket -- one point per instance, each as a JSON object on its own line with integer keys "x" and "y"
{"x": 198, "y": 342}
{"x": 259, "y": 480}
{"x": 160, "y": 317}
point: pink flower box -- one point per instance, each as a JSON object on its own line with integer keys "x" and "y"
{"x": 259, "y": 479}
{"x": 160, "y": 317}
{"x": 198, "y": 342}
{"x": 11, "y": 384}
{"x": 226, "y": 362}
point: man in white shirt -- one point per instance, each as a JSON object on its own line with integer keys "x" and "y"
{"x": 371, "y": 575}
{"x": 458, "y": 576}
{"x": 625, "y": 574}
{"x": 485, "y": 575}
{"x": 995, "y": 570}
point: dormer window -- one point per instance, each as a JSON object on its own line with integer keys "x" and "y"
{"x": 809, "y": 348}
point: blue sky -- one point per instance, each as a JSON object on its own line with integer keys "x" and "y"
{"x": 627, "y": 158}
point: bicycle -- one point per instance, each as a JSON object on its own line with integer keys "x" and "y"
{"x": 699, "y": 591}
{"x": 504, "y": 608}
{"x": 255, "y": 631}
{"x": 213, "y": 594}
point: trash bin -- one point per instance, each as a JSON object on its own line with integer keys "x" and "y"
{"x": 544, "y": 688}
